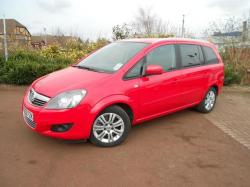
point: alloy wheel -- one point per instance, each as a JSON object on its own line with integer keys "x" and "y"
{"x": 108, "y": 127}
{"x": 210, "y": 100}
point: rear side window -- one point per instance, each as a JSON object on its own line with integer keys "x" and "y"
{"x": 211, "y": 57}
{"x": 163, "y": 56}
{"x": 191, "y": 55}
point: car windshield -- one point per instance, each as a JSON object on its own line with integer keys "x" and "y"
{"x": 111, "y": 57}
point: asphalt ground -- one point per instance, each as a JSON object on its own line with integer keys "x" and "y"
{"x": 186, "y": 148}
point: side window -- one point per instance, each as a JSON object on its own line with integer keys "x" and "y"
{"x": 191, "y": 55}
{"x": 136, "y": 71}
{"x": 211, "y": 57}
{"x": 163, "y": 56}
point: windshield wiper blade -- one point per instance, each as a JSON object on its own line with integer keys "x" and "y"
{"x": 87, "y": 68}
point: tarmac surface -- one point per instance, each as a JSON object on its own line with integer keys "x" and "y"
{"x": 186, "y": 148}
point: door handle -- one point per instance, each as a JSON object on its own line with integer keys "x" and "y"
{"x": 176, "y": 79}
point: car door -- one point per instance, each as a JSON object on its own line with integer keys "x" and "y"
{"x": 194, "y": 79}
{"x": 160, "y": 93}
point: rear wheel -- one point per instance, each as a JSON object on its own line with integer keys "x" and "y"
{"x": 208, "y": 102}
{"x": 111, "y": 127}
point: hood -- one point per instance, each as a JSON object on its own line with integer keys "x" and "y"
{"x": 68, "y": 79}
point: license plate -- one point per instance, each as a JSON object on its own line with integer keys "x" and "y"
{"x": 28, "y": 114}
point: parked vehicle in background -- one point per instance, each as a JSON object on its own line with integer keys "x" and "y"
{"x": 123, "y": 84}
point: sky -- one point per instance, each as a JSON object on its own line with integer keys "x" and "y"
{"x": 95, "y": 18}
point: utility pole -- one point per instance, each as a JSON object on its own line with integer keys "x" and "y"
{"x": 183, "y": 26}
{"x": 45, "y": 36}
{"x": 5, "y": 40}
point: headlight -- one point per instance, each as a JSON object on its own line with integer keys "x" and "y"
{"x": 69, "y": 99}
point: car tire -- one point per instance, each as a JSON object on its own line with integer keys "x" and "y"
{"x": 111, "y": 127}
{"x": 208, "y": 103}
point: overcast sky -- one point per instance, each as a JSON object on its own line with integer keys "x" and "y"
{"x": 93, "y": 18}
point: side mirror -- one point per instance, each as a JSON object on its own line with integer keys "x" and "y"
{"x": 154, "y": 70}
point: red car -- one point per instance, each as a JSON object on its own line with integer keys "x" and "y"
{"x": 123, "y": 84}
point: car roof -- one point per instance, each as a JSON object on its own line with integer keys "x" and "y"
{"x": 159, "y": 40}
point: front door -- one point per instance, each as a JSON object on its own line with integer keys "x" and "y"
{"x": 160, "y": 93}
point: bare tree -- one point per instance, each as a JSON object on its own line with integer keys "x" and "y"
{"x": 222, "y": 26}
{"x": 144, "y": 21}
{"x": 147, "y": 23}
{"x": 226, "y": 32}
{"x": 59, "y": 37}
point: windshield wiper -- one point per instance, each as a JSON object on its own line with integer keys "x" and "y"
{"x": 87, "y": 68}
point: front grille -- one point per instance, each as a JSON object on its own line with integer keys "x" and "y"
{"x": 38, "y": 102}
{"x": 31, "y": 123}
{"x": 37, "y": 99}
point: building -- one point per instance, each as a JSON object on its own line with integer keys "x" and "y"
{"x": 222, "y": 39}
{"x": 237, "y": 38}
{"x": 17, "y": 34}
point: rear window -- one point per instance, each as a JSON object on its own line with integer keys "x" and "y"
{"x": 191, "y": 55}
{"x": 211, "y": 57}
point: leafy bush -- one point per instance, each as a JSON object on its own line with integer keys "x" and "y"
{"x": 231, "y": 77}
{"x": 38, "y": 57}
{"x": 237, "y": 62}
{"x": 20, "y": 69}
{"x": 25, "y": 65}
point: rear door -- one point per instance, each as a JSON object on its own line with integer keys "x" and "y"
{"x": 194, "y": 80}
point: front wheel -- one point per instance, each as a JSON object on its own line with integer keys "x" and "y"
{"x": 111, "y": 127}
{"x": 208, "y": 102}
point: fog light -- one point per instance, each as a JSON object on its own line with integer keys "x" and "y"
{"x": 61, "y": 127}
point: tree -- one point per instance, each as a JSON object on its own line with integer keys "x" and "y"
{"x": 144, "y": 22}
{"x": 121, "y": 32}
{"x": 231, "y": 24}
{"x": 148, "y": 24}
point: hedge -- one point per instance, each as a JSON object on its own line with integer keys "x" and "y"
{"x": 24, "y": 67}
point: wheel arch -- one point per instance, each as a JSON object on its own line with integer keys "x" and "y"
{"x": 127, "y": 109}
{"x": 118, "y": 100}
{"x": 216, "y": 87}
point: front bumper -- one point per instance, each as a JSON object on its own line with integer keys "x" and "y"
{"x": 44, "y": 119}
